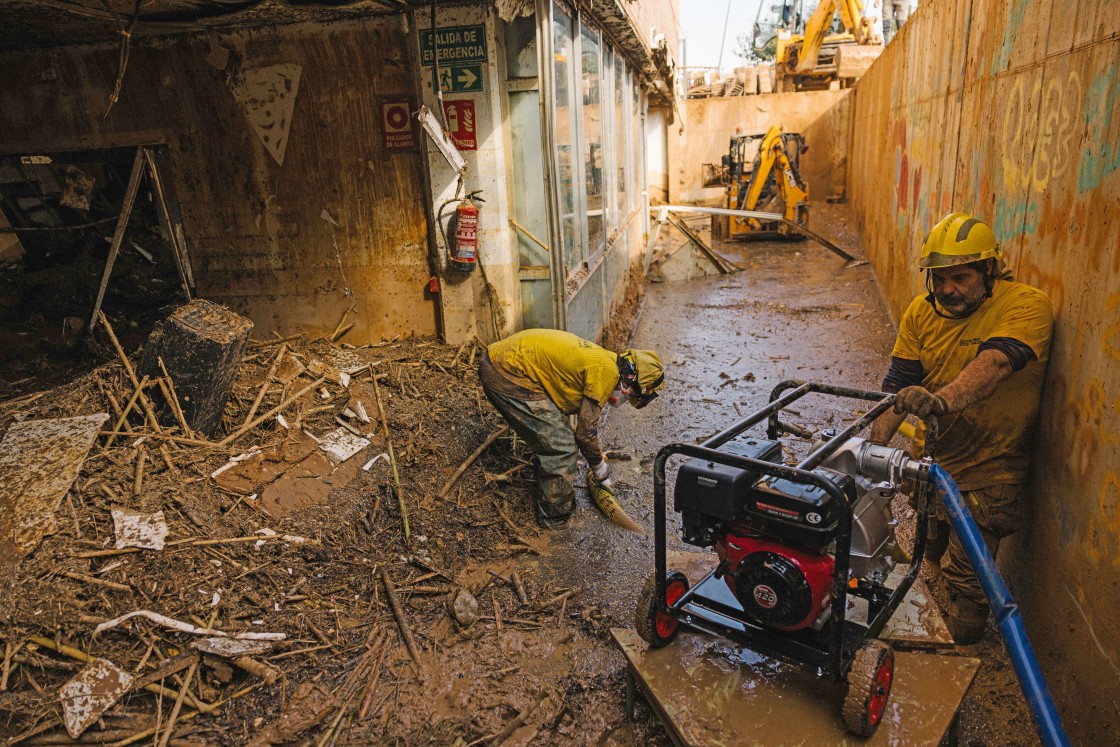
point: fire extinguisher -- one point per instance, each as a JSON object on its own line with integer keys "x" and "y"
{"x": 463, "y": 253}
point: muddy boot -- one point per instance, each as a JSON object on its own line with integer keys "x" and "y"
{"x": 555, "y": 500}
{"x": 967, "y": 621}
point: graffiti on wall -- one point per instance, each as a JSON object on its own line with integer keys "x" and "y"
{"x": 1101, "y": 155}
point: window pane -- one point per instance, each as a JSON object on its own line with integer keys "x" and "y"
{"x": 521, "y": 47}
{"x": 622, "y": 131}
{"x": 565, "y": 135}
{"x": 591, "y": 65}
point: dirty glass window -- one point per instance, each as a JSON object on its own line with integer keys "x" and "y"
{"x": 622, "y": 129}
{"x": 566, "y": 135}
{"x": 637, "y": 139}
{"x": 592, "y": 82}
{"x": 521, "y": 47}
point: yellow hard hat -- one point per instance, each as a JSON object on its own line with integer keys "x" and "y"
{"x": 648, "y": 372}
{"x": 958, "y": 239}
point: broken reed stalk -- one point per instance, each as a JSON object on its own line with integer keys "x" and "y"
{"x": 173, "y": 399}
{"x": 471, "y": 459}
{"x": 267, "y": 380}
{"x": 163, "y": 437}
{"x": 74, "y": 576}
{"x": 402, "y": 622}
{"x": 178, "y": 706}
{"x": 9, "y": 652}
{"x": 520, "y": 719}
{"x": 338, "y": 331}
{"x": 85, "y": 658}
{"x": 392, "y": 455}
{"x": 382, "y": 647}
{"x": 519, "y": 587}
{"x": 138, "y": 473}
{"x": 144, "y": 403}
{"x": 260, "y": 419}
{"x": 136, "y": 393}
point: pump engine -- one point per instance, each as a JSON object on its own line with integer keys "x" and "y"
{"x": 776, "y": 538}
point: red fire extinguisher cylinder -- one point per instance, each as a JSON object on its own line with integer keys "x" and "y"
{"x": 464, "y": 252}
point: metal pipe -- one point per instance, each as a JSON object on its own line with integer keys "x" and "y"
{"x": 1010, "y": 622}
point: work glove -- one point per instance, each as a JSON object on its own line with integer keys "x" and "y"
{"x": 921, "y": 402}
{"x": 602, "y": 475}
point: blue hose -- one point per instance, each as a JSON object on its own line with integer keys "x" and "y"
{"x": 1006, "y": 611}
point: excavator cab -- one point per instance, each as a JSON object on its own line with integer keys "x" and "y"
{"x": 761, "y": 172}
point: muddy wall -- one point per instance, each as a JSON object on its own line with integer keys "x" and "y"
{"x": 821, "y": 116}
{"x": 292, "y": 206}
{"x": 1010, "y": 110}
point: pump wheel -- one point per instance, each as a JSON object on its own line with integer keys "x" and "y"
{"x": 869, "y": 686}
{"x": 655, "y": 627}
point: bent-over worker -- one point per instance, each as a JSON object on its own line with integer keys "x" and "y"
{"x": 972, "y": 352}
{"x": 539, "y": 377}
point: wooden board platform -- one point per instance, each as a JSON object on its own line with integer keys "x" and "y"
{"x": 709, "y": 692}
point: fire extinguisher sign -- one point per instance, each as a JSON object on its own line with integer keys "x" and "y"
{"x": 397, "y": 123}
{"x": 461, "y": 124}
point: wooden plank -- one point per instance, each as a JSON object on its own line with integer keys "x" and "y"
{"x": 705, "y": 702}
{"x": 118, "y": 234}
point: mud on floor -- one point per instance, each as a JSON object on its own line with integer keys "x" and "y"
{"x": 319, "y": 574}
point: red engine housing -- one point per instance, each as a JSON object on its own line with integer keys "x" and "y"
{"x": 779, "y": 586}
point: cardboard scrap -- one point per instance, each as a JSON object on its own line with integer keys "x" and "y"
{"x": 90, "y": 693}
{"x": 39, "y": 461}
{"x": 341, "y": 444}
{"x": 135, "y": 529}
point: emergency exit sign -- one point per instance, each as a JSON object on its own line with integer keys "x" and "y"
{"x": 457, "y": 45}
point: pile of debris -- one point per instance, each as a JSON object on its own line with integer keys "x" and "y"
{"x": 744, "y": 81}
{"x": 303, "y": 560}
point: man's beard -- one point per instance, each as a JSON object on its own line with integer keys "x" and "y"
{"x": 961, "y": 306}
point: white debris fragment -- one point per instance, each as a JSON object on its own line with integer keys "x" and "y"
{"x": 284, "y": 423}
{"x": 375, "y": 460}
{"x": 235, "y": 460}
{"x": 90, "y": 693}
{"x": 216, "y": 599}
{"x": 182, "y": 627}
{"x": 231, "y": 648}
{"x": 135, "y": 529}
{"x": 340, "y": 444}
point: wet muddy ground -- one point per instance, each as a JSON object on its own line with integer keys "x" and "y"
{"x": 538, "y": 666}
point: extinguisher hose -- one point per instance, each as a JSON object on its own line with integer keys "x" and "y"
{"x": 1007, "y": 614}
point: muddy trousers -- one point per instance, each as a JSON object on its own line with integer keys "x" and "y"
{"x": 550, "y": 437}
{"x": 997, "y": 513}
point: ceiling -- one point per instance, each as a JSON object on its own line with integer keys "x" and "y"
{"x": 30, "y": 24}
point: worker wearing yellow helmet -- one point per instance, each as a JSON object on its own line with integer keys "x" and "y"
{"x": 972, "y": 353}
{"x": 538, "y": 378}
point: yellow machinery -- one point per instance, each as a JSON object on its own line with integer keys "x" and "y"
{"x": 835, "y": 43}
{"x": 769, "y": 182}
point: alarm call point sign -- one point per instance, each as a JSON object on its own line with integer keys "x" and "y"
{"x": 396, "y": 123}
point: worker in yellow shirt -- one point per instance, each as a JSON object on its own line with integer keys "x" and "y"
{"x": 972, "y": 352}
{"x": 538, "y": 378}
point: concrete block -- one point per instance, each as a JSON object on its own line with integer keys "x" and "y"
{"x": 201, "y": 345}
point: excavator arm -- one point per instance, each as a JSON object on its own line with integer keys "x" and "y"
{"x": 816, "y": 29}
{"x": 793, "y": 191}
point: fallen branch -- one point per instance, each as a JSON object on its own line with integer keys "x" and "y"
{"x": 287, "y": 401}
{"x": 471, "y": 459}
{"x": 182, "y": 627}
{"x": 402, "y": 623}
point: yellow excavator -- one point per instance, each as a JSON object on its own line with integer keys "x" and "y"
{"x": 767, "y": 181}
{"x": 836, "y": 43}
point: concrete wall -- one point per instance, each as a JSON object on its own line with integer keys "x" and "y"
{"x": 1010, "y": 110}
{"x": 290, "y": 242}
{"x": 821, "y": 116}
